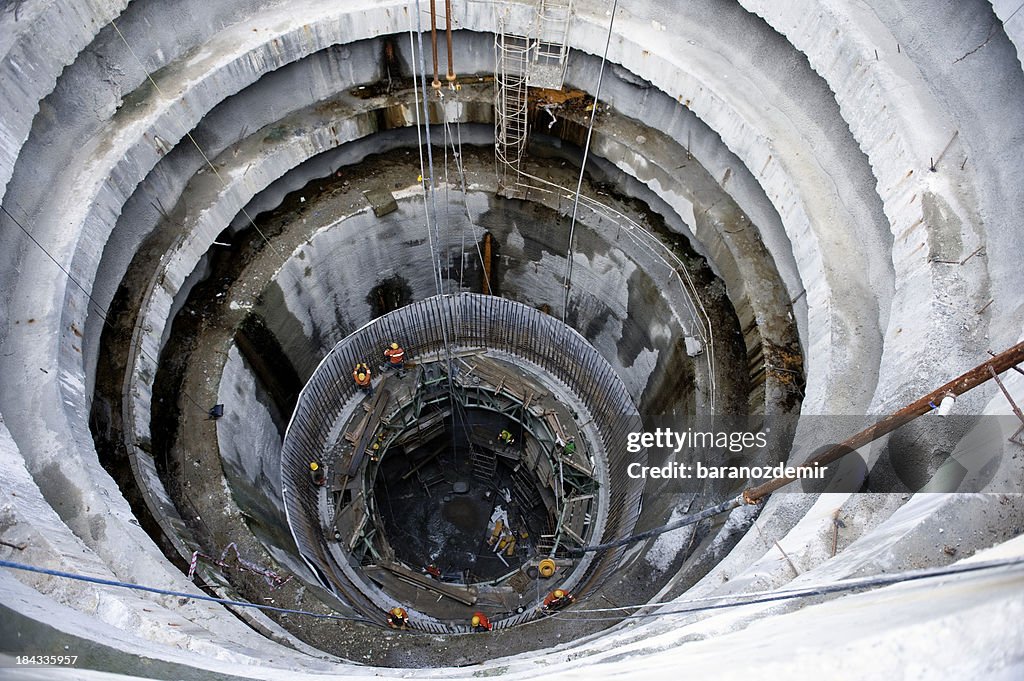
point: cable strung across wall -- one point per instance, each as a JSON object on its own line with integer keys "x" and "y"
{"x": 570, "y": 615}
{"x": 567, "y": 283}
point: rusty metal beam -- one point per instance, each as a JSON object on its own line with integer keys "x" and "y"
{"x": 436, "y": 84}
{"x": 448, "y": 29}
{"x": 486, "y": 288}
{"x": 967, "y": 381}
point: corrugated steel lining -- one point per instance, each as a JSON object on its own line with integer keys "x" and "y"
{"x": 465, "y": 320}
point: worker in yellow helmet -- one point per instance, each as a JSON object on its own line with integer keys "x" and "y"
{"x": 396, "y": 358}
{"x": 557, "y": 599}
{"x": 398, "y": 618}
{"x": 362, "y": 376}
{"x": 316, "y": 474}
{"x": 505, "y": 437}
{"x": 480, "y": 622}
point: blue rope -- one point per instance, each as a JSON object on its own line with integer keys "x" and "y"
{"x": 167, "y": 592}
{"x": 572, "y": 614}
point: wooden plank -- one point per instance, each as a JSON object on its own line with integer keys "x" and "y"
{"x": 359, "y": 453}
{"x": 427, "y": 459}
{"x": 501, "y": 380}
{"x": 357, "y": 432}
{"x": 551, "y": 418}
{"x": 423, "y": 427}
{"x": 574, "y": 516}
{"x": 462, "y": 594}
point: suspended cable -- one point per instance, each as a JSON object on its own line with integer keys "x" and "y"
{"x": 177, "y": 594}
{"x": 803, "y": 592}
{"x": 98, "y": 308}
{"x": 700, "y": 604}
{"x": 791, "y": 594}
{"x": 190, "y": 137}
{"x": 567, "y": 283}
{"x": 689, "y": 519}
{"x": 432, "y": 216}
{"x": 460, "y": 167}
{"x": 657, "y": 248}
{"x": 429, "y": 180}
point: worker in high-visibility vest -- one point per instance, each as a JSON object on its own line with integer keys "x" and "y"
{"x": 398, "y": 618}
{"x": 361, "y": 375}
{"x": 396, "y": 357}
{"x": 506, "y": 437}
{"x": 557, "y": 599}
{"x": 480, "y": 622}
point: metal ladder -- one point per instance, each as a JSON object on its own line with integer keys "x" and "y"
{"x": 485, "y": 464}
{"x": 551, "y": 49}
{"x": 512, "y": 58}
{"x": 523, "y": 489}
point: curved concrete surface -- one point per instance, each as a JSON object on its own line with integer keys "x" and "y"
{"x": 842, "y": 181}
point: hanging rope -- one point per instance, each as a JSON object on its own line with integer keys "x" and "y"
{"x": 567, "y": 283}
{"x": 177, "y": 594}
{"x": 188, "y": 134}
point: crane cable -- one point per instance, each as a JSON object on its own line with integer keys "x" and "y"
{"x": 567, "y": 283}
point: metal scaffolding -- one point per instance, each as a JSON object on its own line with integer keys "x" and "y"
{"x": 551, "y": 49}
{"x": 537, "y": 59}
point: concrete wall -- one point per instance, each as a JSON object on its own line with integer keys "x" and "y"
{"x": 836, "y": 146}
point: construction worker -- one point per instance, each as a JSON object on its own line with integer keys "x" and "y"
{"x": 558, "y": 599}
{"x": 480, "y": 622}
{"x": 361, "y": 375}
{"x": 506, "y": 437}
{"x": 433, "y": 571}
{"x": 396, "y": 357}
{"x": 316, "y": 474}
{"x": 570, "y": 447}
{"x": 398, "y": 618}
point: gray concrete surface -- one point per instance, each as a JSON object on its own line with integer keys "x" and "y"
{"x": 875, "y": 147}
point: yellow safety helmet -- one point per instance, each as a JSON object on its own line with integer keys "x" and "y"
{"x": 476, "y": 620}
{"x": 394, "y": 346}
{"x": 362, "y": 376}
{"x": 313, "y": 466}
{"x": 559, "y": 593}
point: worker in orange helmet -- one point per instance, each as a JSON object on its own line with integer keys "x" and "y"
{"x": 362, "y": 376}
{"x": 398, "y": 618}
{"x": 557, "y": 599}
{"x": 396, "y": 358}
{"x": 480, "y": 622}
